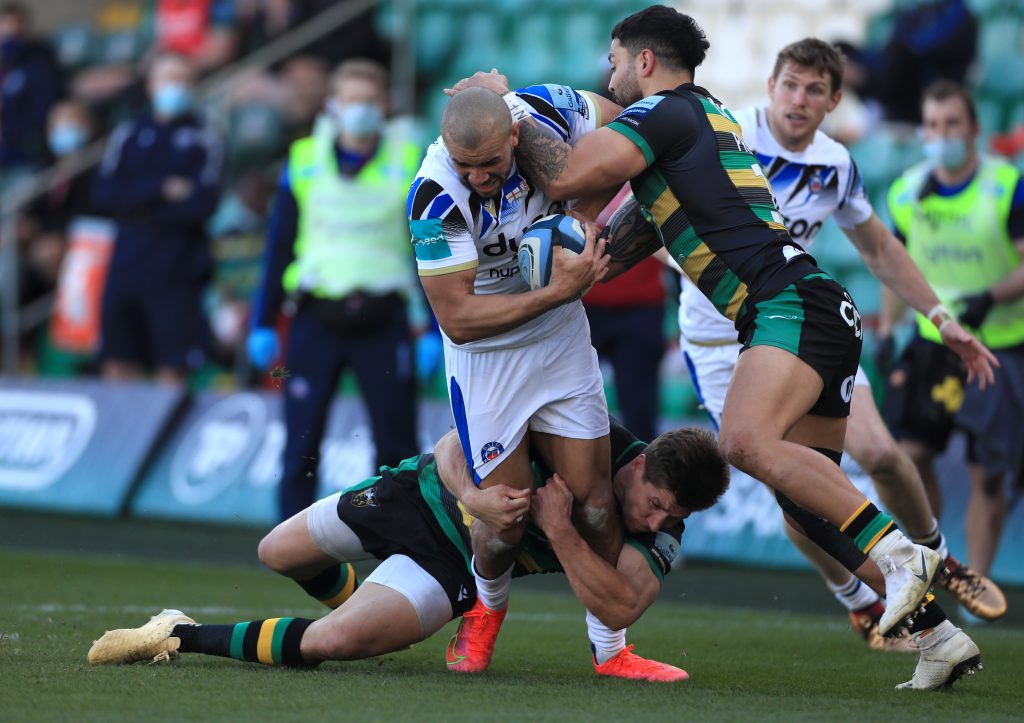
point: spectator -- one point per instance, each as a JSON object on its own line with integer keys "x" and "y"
{"x": 29, "y": 86}
{"x": 962, "y": 218}
{"x": 338, "y": 245}
{"x": 47, "y": 219}
{"x": 626, "y": 316}
{"x": 160, "y": 178}
{"x": 201, "y": 30}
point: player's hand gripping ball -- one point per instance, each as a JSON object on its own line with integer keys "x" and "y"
{"x": 537, "y": 246}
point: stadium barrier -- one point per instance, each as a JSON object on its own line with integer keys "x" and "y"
{"x": 78, "y": 446}
{"x": 223, "y": 462}
{"x": 94, "y": 448}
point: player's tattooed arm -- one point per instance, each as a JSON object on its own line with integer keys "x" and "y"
{"x": 631, "y": 238}
{"x": 541, "y": 156}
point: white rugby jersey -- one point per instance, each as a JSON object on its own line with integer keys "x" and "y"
{"x": 810, "y": 185}
{"x": 454, "y": 229}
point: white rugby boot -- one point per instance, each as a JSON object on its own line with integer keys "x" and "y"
{"x": 152, "y": 641}
{"x": 947, "y": 653}
{"x": 909, "y": 570}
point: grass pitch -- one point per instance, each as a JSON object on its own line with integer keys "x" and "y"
{"x": 744, "y": 664}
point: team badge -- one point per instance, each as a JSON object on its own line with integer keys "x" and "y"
{"x": 365, "y": 498}
{"x": 518, "y": 192}
{"x": 490, "y": 451}
{"x": 816, "y": 183}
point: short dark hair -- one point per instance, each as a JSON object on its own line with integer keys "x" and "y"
{"x": 813, "y": 53}
{"x": 943, "y": 89}
{"x": 676, "y": 39}
{"x": 687, "y": 462}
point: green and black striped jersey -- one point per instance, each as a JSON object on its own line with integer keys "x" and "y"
{"x": 710, "y": 200}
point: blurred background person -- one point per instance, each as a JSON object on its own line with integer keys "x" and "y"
{"x": 160, "y": 178}
{"x": 626, "y": 328}
{"x": 338, "y": 247}
{"x": 29, "y": 85}
{"x": 961, "y": 215}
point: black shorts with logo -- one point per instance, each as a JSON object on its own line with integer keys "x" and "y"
{"x": 392, "y": 516}
{"x": 924, "y": 392}
{"x": 815, "y": 319}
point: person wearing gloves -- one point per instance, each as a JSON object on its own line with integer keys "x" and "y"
{"x": 339, "y": 261}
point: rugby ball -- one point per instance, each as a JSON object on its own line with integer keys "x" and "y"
{"x": 537, "y": 246}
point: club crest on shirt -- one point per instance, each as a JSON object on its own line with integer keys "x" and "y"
{"x": 518, "y": 192}
{"x": 816, "y": 183}
{"x": 490, "y": 451}
{"x": 365, "y": 498}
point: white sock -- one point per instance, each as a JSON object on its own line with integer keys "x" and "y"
{"x": 605, "y": 642}
{"x": 493, "y": 593}
{"x": 927, "y": 639}
{"x": 854, "y": 595}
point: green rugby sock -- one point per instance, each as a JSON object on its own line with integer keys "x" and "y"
{"x": 867, "y": 526}
{"x": 333, "y": 586}
{"x": 274, "y": 641}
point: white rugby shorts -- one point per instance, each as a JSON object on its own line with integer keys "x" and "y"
{"x": 553, "y": 385}
{"x": 711, "y": 370}
{"x": 398, "y": 572}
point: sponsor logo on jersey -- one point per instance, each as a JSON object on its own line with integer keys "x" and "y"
{"x": 429, "y": 240}
{"x": 490, "y": 451}
{"x": 791, "y": 252}
{"x": 846, "y": 389}
{"x": 505, "y": 272}
{"x": 365, "y": 498}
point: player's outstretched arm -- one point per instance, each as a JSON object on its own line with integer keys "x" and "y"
{"x": 891, "y": 264}
{"x": 500, "y": 507}
{"x": 619, "y": 595}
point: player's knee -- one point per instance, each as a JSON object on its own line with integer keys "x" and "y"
{"x": 740, "y": 447}
{"x": 880, "y": 457}
{"x": 271, "y": 554}
{"x": 334, "y": 640}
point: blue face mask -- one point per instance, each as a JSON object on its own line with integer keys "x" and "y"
{"x": 67, "y": 138}
{"x": 358, "y": 119}
{"x": 947, "y": 153}
{"x": 172, "y": 100}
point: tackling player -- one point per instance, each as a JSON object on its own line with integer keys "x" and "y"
{"x": 407, "y": 518}
{"x": 515, "y": 359}
{"x": 814, "y": 177}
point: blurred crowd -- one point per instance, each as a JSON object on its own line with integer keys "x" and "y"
{"x": 177, "y": 214}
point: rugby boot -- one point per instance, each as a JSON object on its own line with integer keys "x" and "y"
{"x": 864, "y": 622}
{"x": 947, "y": 653}
{"x": 980, "y": 596}
{"x": 152, "y": 641}
{"x": 627, "y": 664}
{"x": 472, "y": 646}
{"x": 909, "y": 570}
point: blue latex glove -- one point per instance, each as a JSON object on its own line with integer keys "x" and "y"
{"x": 429, "y": 355}
{"x": 262, "y": 347}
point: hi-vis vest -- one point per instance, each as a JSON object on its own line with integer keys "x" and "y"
{"x": 352, "y": 231}
{"x": 961, "y": 244}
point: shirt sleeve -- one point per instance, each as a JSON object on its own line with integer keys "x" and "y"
{"x": 565, "y": 113}
{"x": 441, "y": 236}
{"x": 1015, "y": 222}
{"x": 660, "y": 548}
{"x": 659, "y": 124}
{"x": 854, "y": 207}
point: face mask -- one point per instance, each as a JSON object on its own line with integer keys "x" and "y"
{"x": 172, "y": 100}
{"x": 66, "y": 138}
{"x": 358, "y": 119}
{"x": 947, "y": 153}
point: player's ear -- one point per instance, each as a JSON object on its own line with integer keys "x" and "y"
{"x": 515, "y": 134}
{"x": 836, "y": 97}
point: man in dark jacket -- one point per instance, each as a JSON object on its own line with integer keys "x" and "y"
{"x": 160, "y": 179}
